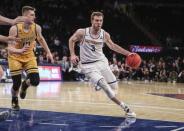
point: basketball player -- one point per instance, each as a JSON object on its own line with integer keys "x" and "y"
{"x": 7, "y": 21}
{"x": 94, "y": 64}
{"x": 21, "y": 55}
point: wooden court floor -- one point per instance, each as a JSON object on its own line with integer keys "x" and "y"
{"x": 154, "y": 101}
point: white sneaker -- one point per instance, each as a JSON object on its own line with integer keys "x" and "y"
{"x": 130, "y": 114}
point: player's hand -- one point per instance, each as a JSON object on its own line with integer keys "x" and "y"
{"x": 21, "y": 19}
{"x": 49, "y": 56}
{"x": 24, "y": 49}
{"x": 74, "y": 59}
{"x": 131, "y": 54}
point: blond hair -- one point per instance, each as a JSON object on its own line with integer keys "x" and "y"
{"x": 27, "y": 8}
{"x": 97, "y": 13}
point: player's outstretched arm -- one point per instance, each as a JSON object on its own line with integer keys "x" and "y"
{"x": 8, "y": 38}
{"x": 7, "y": 21}
{"x": 77, "y": 36}
{"x": 114, "y": 46}
{"x": 11, "y": 43}
{"x": 3, "y": 38}
{"x": 43, "y": 43}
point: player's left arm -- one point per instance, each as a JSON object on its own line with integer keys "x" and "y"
{"x": 5, "y": 21}
{"x": 8, "y": 38}
{"x": 114, "y": 46}
{"x": 8, "y": 21}
{"x": 43, "y": 43}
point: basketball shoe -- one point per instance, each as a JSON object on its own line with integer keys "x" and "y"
{"x": 23, "y": 89}
{"x": 15, "y": 104}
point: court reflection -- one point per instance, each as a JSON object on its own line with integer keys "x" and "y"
{"x": 48, "y": 89}
{"x": 127, "y": 123}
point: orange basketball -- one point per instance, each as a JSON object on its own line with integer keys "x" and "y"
{"x": 133, "y": 60}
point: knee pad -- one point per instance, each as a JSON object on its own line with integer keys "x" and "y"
{"x": 34, "y": 79}
{"x": 107, "y": 89}
{"x": 16, "y": 82}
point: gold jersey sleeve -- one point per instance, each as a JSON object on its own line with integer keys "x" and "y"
{"x": 27, "y": 38}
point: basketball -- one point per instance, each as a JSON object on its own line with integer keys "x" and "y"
{"x": 133, "y": 60}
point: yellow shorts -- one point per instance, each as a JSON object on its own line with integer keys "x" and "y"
{"x": 16, "y": 67}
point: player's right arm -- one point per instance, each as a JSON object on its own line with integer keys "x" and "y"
{"x": 11, "y": 44}
{"x": 77, "y": 36}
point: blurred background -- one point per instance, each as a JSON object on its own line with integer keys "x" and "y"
{"x": 153, "y": 28}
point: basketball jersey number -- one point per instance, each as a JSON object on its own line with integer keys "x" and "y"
{"x": 92, "y": 47}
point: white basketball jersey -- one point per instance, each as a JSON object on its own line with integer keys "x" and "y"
{"x": 91, "y": 48}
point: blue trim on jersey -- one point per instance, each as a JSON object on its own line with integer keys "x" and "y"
{"x": 90, "y": 62}
{"x": 112, "y": 82}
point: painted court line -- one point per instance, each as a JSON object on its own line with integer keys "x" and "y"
{"x": 53, "y": 124}
{"x": 164, "y": 126}
{"x": 102, "y": 104}
{"x": 178, "y": 129}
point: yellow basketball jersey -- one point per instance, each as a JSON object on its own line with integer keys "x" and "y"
{"x": 27, "y": 38}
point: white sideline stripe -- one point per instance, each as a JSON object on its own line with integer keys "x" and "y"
{"x": 46, "y": 123}
{"x": 9, "y": 120}
{"x": 178, "y": 129}
{"x": 112, "y": 126}
{"x": 53, "y": 124}
{"x": 103, "y": 104}
{"x": 164, "y": 126}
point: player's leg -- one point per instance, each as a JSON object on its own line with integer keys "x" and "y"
{"x": 15, "y": 70}
{"x": 110, "y": 78}
{"x": 110, "y": 81}
{"x": 111, "y": 94}
{"x": 98, "y": 80}
{"x": 1, "y": 72}
{"x": 106, "y": 72}
{"x": 32, "y": 79}
{"x": 15, "y": 90}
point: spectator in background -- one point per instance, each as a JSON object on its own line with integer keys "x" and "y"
{"x": 173, "y": 74}
{"x": 75, "y": 73}
{"x": 115, "y": 69}
{"x": 145, "y": 73}
{"x": 57, "y": 42}
{"x": 124, "y": 72}
{"x": 65, "y": 66}
{"x": 181, "y": 76}
{"x": 4, "y": 54}
{"x": 152, "y": 67}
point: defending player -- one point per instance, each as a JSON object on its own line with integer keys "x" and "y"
{"x": 7, "y": 21}
{"x": 21, "y": 55}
